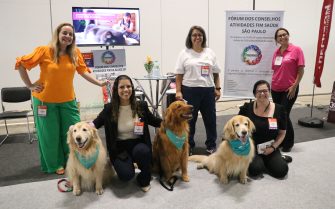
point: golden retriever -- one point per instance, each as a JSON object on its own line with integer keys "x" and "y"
{"x": 167, "y": 156}
{"x": 225, "y": 162}
{"x": 87, "y": 165}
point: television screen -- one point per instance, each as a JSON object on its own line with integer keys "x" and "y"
{"x": 97, "y": 26}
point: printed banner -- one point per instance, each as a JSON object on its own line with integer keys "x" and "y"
{"x": 108, "y": 63}
{"x": 325, "y": 23}
{"x": 88, "y": 59}
{"x": 250, "y": 46}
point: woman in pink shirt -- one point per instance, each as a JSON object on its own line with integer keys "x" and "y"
{"x": 288, "y": 64}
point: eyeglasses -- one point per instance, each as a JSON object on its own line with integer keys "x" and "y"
{"x": 264, "y": 91}
{"x": 197, "y": 34}
{"x": 282, "y": 35}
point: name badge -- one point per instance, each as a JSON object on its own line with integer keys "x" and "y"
{"x": 138, "y": 128}
{"x": 42, "y": 110}
{"x": 273, "y": 124}
{"x": 278, "y": 60}
{"x": 205, "y": 70}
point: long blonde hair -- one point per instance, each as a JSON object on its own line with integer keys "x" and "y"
{"x": 55, "y": 45}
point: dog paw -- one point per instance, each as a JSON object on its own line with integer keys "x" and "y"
{"x": 185, "y": 178}
{"x": 200, "y": 166}
{"x": 99, "y": 191}
{"x": 76, "y": 192}
{"x": 224, "y": 180}
{"x": 243, "y": 180}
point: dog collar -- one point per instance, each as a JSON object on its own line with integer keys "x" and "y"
{"x": 88, "y": 162}
{"x": 176, "y": 140}
{"x": 238, "y": 147}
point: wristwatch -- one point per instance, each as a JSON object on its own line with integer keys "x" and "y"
{"x": 218, "y": 88}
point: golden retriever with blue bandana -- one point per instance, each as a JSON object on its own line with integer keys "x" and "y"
{"x": 235, "y": 152}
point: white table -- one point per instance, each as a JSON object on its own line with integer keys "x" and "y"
{"x": 154, "y": 101}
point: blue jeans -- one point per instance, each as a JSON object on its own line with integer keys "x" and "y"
{"x": 203, "y": 99}
{"x": 131, "y": 151}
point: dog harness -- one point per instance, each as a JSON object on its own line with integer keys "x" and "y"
{"x": 240, "y": 148}
{"x": 88, "y": 162}
{"x": 176, "y": 140}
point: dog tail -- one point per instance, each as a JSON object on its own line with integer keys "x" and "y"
{"x": 197, "y": 158}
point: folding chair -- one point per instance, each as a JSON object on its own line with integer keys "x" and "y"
{"x": 15, "y": 95}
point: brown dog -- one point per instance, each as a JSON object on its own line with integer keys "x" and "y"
{"x": 171, "y": 156}
{"x": 87, "y": 165}
{"x": 225, "y": 162}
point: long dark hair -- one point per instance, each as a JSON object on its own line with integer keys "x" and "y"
{"x": 116, "y": 99}
{"x": 189, "y": 43}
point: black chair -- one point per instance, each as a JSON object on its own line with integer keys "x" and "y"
{"x": 15, "y": 95}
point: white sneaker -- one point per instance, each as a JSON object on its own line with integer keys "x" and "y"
{"x": 147, "y": 188}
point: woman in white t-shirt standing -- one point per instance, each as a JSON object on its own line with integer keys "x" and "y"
{"x": 198, "y": 82}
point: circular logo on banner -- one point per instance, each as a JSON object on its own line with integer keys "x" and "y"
{"x": 252, "y": 55}
{"x": 108, "y": 57}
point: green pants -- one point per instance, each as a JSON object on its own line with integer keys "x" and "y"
{"x": 52, "y": 132}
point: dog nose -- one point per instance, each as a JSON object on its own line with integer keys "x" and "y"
{"x": 78, "y": 138}
{"x": 244, "y": 133}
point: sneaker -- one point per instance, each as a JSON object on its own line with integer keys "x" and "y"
{"x": 287, "y": 158}
{"x": 211, "y": 150}
{"x": 190, "y": 152}
{"x": 145, "y": 189}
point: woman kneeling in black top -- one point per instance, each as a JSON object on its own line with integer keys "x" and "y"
{"x": 270, "y": 122}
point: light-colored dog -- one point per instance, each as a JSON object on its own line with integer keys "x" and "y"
{"x": 87, "y": 166}
{"x": 225, "y": 162}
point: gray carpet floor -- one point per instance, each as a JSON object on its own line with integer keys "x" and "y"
{"x": 308, "y": 185}
{"x": 20, "y": 160}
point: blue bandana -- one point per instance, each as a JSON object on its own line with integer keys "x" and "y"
{"x": 90, "y": 161}
{"x": 239, "y": 148}
{"x": 176, "y": 140}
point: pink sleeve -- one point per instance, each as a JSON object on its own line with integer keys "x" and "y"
{"x": 300, "y": 57}
{"x": 274, "y": 58}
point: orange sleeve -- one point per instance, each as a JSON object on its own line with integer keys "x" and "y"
{"x": 30, "y": 61}
{"x": 81, "y": 65}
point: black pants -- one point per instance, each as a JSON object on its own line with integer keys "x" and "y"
{"x": 281, "y": 98}
{"x": 203, "y": 99}
{"x": 130, "y": 151}
{"x": 273, "y": 164}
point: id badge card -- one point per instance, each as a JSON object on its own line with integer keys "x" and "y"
{"x": 138, "y": 128}
{"x": 278, "y": 60}
{"x": 273, "y": 124}
{"x": 205, "y": 70}
{"x": 42, "y": 110}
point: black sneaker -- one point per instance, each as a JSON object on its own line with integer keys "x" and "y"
{"x": 286, "y": 149}
{"x": 287, "y": 158}
{"x": 211, "y": 150}
{"x": 190, "y": 152}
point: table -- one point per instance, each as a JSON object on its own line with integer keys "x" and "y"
{"x": 154, "y": 102}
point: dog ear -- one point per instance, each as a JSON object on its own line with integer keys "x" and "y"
{"x": 251, "y": 126}
{"x": 69, "y": 134}
{"x": 228, "y": 130}
{"x": 168, "y": 117}
{"x": 95, "y": 134}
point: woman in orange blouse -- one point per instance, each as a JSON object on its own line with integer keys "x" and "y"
{"x": 55, "y": 108}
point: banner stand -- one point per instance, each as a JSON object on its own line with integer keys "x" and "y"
{"x": 311, "y": 121}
